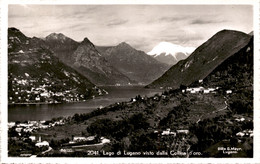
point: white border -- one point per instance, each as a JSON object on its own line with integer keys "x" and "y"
{"x": 3, "y": 87}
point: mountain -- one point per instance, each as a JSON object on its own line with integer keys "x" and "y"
{"x": 251, "y": 33}
{"x": 135, "y": 64}
{"x": 235, "y": 73}
{"x": 36, "y": 75}
{"x": 169, "y": 53}
{"x": 62, "y": 45}
{"x": 204, "y": 59}
{"x": 86, "y": 59}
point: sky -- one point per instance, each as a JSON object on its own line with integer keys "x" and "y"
{"x": 141, "y": 26}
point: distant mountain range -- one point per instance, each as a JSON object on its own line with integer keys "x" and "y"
{"x": 204, "y": 60}
{"x": 113, "y": 65}
{"x": 86, "y": 59}
{"x": 170, "y": 53}
{"x": 124, "y": 65}
{"x": 135, "y": 64}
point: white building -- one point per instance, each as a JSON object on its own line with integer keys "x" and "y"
{"x": 78, "y": 139}
{"x": 21, "y": 51}
{"x": 18, "y": 130}
{"x": 45, "y": 94}
{"x": 206, "y": 91}
{"x": 183, "y": 131}
{"x": 165, "y": 133}
{"x": 228, "y": 91}
{"x": 41, "y": 144}
{"x": 240, "y": 134}
{"x": 33, "y": 138}
{"x": 10, "y": 124}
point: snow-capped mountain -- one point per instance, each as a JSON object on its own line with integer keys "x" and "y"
{"x": 170, "y": 53}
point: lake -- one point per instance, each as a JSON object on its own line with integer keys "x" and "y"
{"x": 48, "y": 111}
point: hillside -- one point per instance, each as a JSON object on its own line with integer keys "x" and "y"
{"x": 203, "y": 60}
{"x": 35, "y": 75}
{"x": 135, "y": 64}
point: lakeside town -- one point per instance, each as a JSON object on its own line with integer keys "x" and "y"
{"x": 178, "y": 141}
{"x": 27, "y": 90}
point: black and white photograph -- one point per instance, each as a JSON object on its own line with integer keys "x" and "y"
{"x": 142, "y": 81}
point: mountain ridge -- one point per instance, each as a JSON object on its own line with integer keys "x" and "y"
{"x": 204, "y": 59}
{"x": 135, "y": 64}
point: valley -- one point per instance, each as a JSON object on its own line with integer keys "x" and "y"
{"x": 200, "y": 107}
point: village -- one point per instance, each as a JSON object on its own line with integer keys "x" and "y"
{"x": 21, "y": 132}
{"x": 27, "y": 90}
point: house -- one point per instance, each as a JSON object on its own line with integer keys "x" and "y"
{"x": 183, "y": 131}
{"x": 25, "y": 155}
{"x": 41, "y": 144}
{"x": 206, "y": 91}
{"x": 28, "y": 129}
{"x": 201, "y": 81}
{"x": 18, "y": 129}
{"x": 240, "y": 120}
{"x": 156, "y": 98}
{"x": 228, "y": 91}
{"x": 33, "y": 138}
{"x": 240, "y": 134}
{"x": 133, "y": 100}
{"x": 21, "y": 52}
{"x": 173, "y": 133}
{"x": 11, "y": 124}
{"x": 104, "y": 140}
{"x": 91, "y": 138}
{"x": 37, "y": 98}
{"x": 78, "y": 139}
{"x": 165, "y": 133}
{"x": 168, "y": 132}
{"x": 66, "y": 150}
{"x": 26, "y": 74}
{"x": 45, "y": 94}
{"x": 32, "y": 122}
{"x": 164, "y": 97}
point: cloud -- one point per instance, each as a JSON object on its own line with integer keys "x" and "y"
{"x": 204, "y": 21}
{"x": 172, "y": 19}
{"x": 142, "y": 26}
{"x": 117, "y": 22}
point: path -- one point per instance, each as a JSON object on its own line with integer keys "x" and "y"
{"x": 215, "y": 110}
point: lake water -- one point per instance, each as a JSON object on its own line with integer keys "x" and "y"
{"x": 48, "y": 111}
